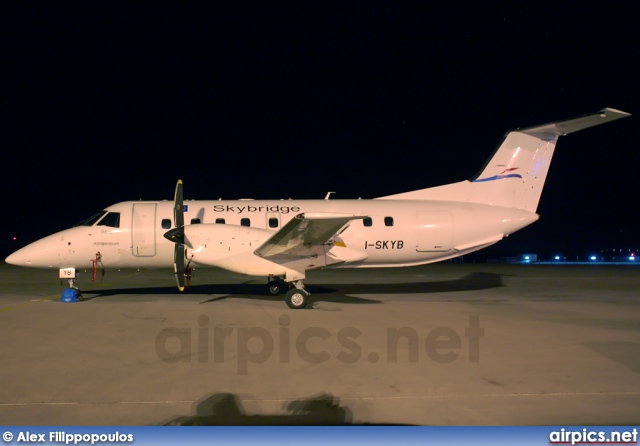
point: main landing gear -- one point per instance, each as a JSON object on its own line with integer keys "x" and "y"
{"x": 296, "y": 297}
{"x": 275, "y": 287}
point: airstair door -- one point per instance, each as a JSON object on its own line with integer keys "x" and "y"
{"x": 143, "y": 230}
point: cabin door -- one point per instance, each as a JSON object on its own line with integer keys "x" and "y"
{"x": 143, "y": 230}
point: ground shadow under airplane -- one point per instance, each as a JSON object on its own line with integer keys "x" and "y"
{"x": 339, "y": 293}
{"x": 225, "y": 409}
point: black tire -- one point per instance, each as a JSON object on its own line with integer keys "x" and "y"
{"x": 296, "y": 299}
{"x": 275, "y": 287}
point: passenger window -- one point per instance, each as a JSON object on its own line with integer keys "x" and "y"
{"x": 367, "y": 222}
{"x": 220, "y": 221}
{"x": 273, "y": 222}
{"x": 166, "y": 223}
{"x": 388, "y": 221}
{"x": 112, "y": 219}
{"x": 195, "y": 221}
{"x": 245, "y": 222}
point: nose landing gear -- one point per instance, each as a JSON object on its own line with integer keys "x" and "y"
{"x": 71, "y": 294}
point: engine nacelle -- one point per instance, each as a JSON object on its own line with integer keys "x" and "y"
{"x": 208, "y": 243}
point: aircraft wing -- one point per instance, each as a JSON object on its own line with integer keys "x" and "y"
{"x": 306, "y": 235}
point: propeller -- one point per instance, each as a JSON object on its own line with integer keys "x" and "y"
{"x": 176, "y": 235}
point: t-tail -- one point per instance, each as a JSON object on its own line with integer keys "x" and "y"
{"x": 514, "y": 176}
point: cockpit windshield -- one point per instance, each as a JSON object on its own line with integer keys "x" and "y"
{"x": 111, "y": 219}
{"x": 91, "y": 220}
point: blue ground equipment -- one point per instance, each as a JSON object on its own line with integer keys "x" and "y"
{"x": 70, "y": 295}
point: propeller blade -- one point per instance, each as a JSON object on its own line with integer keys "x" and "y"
{"x": 178, "y": 265}
{"x": 178, "y": 206}
{"x": 176, "y": 235}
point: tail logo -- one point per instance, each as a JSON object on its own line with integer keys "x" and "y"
{"x": 502, "y": 175}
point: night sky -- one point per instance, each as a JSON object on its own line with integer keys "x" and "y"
{"x": 105, "y": 102}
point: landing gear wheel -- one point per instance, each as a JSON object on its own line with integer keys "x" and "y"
{"x": 296, "y": 298}
{"x": 275, "y": 287}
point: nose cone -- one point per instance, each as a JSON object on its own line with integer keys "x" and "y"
{"x": 16, "y": 258}
{"x": 22, "y": 257}
{"x": 62, "y": 249}
{"x": 42, "y": 253}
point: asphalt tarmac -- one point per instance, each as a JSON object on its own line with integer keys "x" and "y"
{"x": 446, "y": 344}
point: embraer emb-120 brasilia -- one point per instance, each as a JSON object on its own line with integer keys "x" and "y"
{"x": 281, "y": 240}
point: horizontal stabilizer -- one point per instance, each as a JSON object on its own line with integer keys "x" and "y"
{"x": 565, "y": 127}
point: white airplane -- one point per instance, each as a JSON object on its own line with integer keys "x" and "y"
{"x": 282, "y": 239}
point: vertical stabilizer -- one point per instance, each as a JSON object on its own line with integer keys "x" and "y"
{"x": 514, "y": 176}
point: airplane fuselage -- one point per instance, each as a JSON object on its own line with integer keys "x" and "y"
{"x": 396, "y": 233}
